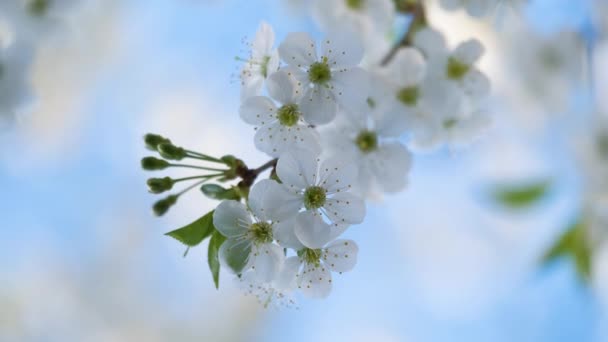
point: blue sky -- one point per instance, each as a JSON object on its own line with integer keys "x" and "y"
{"x": 67, "y": 203}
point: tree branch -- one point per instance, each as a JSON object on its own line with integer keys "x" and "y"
{"x": 418, "y": 20}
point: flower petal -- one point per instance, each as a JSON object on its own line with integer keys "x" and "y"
{"x": 298, "y": 49}
{"x": 235, "y": 255}
{"x": 231, "y": 218}
{"x": 297, "y": 169}
{"x": 288, "y": 274}
{"x": 351, "y": 88}
{"x": 284, "y": 233}
{"x": 315, "y": 281}
{"x": 271, "y": 201}
{"x": 258, "y": 110}
{"x": 281, "y": 88}
{"x": 390, "y": 166}
{"x": 341, "y": 255}
{"x": 345, "y": 208}
{"x": 407, "y": 68}
{"x": 267, "y": 260}
{"x": 337, "y": 173}
{"x": 263, "y": 41}
{"x": 431, "y": 43}
{"x": 468, "y": 52}
{"x": 318, "y": 105}
{"x": 342, "y": 50}
{"x": 476, "y": 85}
{"x": 313, "y": 232}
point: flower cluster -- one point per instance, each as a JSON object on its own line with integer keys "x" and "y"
{"x": 338, "y": 132}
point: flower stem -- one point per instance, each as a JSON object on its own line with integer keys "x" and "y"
{"x": 418, "y": 20}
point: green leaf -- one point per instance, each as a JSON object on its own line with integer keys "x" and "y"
{"x": 217, "y": 192}
{"x": 574, "y": 244}
{"x": 520, "y": 196}
{"x": 194, "y": 233}
{"x": 215, "y": 243}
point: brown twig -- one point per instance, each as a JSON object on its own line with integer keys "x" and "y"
{"x": 249, "y": 175}
{"x": 418, "y": 21}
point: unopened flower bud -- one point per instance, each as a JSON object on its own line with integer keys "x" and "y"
{"x": 153, "y": 140}
{"x": 170, "y": 151}
{"x": 152, "y": 163}
{"x": 158, "y": 185}
{"x": 162, "y": 206}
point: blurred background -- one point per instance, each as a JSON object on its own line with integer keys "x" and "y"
{"x": 82, "y": 257}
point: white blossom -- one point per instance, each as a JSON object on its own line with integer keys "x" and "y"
{"x": 370, "y": 141}
{"x": 328, "y": 80}
{"x": 281, "y": 127}
{"x": 310, "y": 271}
{"x": 262, "y": 62}
{"x": 317, "y": 193}
{"x": 249, "y": 244}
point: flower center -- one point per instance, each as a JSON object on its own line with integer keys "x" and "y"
{"x": 367, "y": 141}
{"x": 288, "y": 115}
{"x": 311, "y": 256}
{"x": 319, "y": 73}
{"x": 314, "y": 197}
{"x": 261, "y": 232}
{"x": 38, "y": 7}
{"x": 354, "y": 4}
{"x": 264, "y": 66}
{"x": 456, "y": 69}
{"x": 409, "y": 95}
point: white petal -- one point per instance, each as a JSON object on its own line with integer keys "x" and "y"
{"x": 286, "y": 279}
{"x": 407, "y": 68}
{"x": 235, "y": 255}
{"x": 257, "y": 110}
{"x": 251, "y": 83}
{"x": 266, "y": 261}
{"x": 341, "y": 255}
{"x": 390, "y": 165}
{"x": 318, "y": 105}
{"x": 311, "y": 230}
{"x": 468, "y": 52}
{"x": 266, "y": 138}
{"x": 390, "y": 121}
{"x": 281, "y": 88}
{"x": 297, "y": 169}
{"x": 476, "y": 85}
{"x": 231, "y": 218}
{"x": 431, "y": 43}
{"x": 315, "y": 281}
{"x": 271, "y": 201}
{"x": 264, "y": 39}
{"x": 337, "y": 174}
{"x": 342, "y": 50}
{"x": 298, "y": 49}
{"x": 351, "y": 88}
{"x": 284, "y": 233}
{"x": 345, "y": 208}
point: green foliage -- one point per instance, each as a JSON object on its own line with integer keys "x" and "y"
{"x": 161, "y": 207}
{"x": 520, "y": 196}
{"x": 217, "y": 192}
{"x": 153, "y": 140}
{"x": 153, "y": 164}
{"x": 573, "y": 243}
{"x": 194, "y": 233}
{"x": 215, "y": 243}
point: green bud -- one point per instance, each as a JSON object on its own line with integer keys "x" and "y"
{"x": 234, "y": 164}
{"x": 162, "y": 206}
{"x": 153, "y": 140}
{"x": 171, "y": 152}
{"x": 158, "y": 185}
{"x": 217, "y": 192}
{"x": 152, "y": 164}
